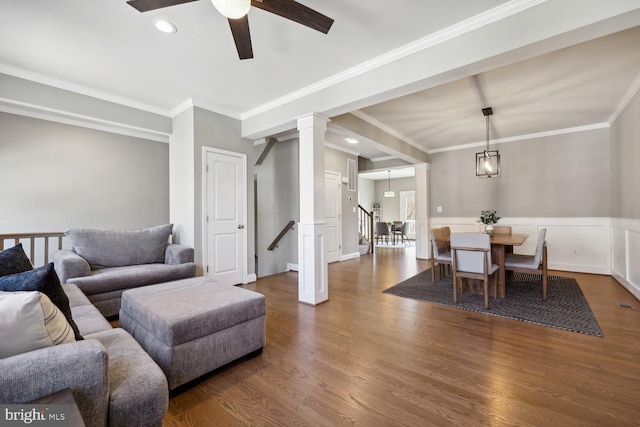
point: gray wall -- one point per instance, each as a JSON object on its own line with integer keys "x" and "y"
{"x": 391, "y": 205}
{"x": 625, "y": 161}
{"x": 557, "y": 176}
{"x": 222, "y": 132}
{"x": 277, "y": 203}
{"x": 277, "y": 182}
{"x": 56, "y": 176}
{"x": 366, "y": 193}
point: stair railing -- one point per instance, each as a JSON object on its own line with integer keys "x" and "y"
{"x": 365, "y": 226}
{"x": 286, "y": 228}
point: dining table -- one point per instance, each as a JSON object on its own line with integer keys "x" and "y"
{"x": 501, "y": 244}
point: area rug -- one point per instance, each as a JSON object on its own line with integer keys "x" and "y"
{"x": 566, "y": 307}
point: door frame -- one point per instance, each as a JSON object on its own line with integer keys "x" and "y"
{"x": 205, "y": 224}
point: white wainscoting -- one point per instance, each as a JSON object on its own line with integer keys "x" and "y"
{"x": 625, "y": 253}
{"x": 573, "y": 244}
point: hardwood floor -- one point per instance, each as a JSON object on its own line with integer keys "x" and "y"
{"x": 369, "y": 359}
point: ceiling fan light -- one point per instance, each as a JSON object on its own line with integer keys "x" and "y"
{"x": 232, "y": 9}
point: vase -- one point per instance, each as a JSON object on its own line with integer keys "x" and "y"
{"x": 489, "y": 229}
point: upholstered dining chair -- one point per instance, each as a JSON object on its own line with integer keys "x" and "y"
{"x": 440, "y": 256}
{"x": 406, "y": 226}
{"x": 501, "y": 229}
{"x": 531, "y": 264}
{"x": 471, "y": 259}
{"x": 396, "y": 230}
{"x": 382, "y": 231}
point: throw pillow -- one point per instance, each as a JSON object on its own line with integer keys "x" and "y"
{"x": 29, "y": 321}
{"x": 43, "y": 279}
{"x": 14, "y": 260}
{"x": 118, "y": 248}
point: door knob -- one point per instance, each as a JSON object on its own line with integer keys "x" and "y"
{"x": 240, "y": 226}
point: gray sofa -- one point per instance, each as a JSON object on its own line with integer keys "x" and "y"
{"x": 105, "y": 263}
{"x": 113, "y": 380}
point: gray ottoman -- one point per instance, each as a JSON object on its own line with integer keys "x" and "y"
{"x": 193, "y": 326}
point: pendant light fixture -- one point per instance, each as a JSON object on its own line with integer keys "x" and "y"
{"x": 389, "y": 193}
{"x": 487, "y": 162}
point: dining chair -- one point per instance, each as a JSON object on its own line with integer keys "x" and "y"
{"x": 405, "y": 231}
{"x": 501, "y": 229}
{"x": 440, "y": 256}
{"x": 471, "y": 259}
{"x": 531, "y": 264}
{"x": 382, "y": 230}
{"x": 396, "y": 229}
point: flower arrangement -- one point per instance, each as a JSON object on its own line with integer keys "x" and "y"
{"x": 488, "y": 217}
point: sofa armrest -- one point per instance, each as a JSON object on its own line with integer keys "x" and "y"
{"x": 178, "y": 254}
{"x": 69, "y": 264}
{"x": 81, "y": 366}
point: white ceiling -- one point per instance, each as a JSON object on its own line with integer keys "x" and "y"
{"x": 107, "y": 49}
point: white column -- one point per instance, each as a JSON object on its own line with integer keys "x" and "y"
{"x": 423, "y": 248}
{"x": 312, "y": 260}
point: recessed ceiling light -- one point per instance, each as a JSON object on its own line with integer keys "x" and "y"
{"x": 165, "y": 26}
{"x": 351, "y": 140}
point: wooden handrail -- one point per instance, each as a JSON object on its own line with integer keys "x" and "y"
{"x": 366, "y": 226}
{"x": 17, "y": 237}
{"x": 286, "y": 228}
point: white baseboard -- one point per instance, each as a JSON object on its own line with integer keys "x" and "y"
{"x": 634, "y": 290}
{"x": 347, "y": 257}
{"x": 292, "y": 267}
{"x": 251, "y": 278}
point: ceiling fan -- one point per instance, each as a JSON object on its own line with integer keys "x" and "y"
{"x": 236, "y": 12}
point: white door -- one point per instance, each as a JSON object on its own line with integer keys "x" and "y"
{"x": 225, "y": 216}
{"x": 332, "y": 209}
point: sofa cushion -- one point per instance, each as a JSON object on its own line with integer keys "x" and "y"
{"x": 117, "y": 278}
{"x": 116, "y": 248}
{"x": 139, "y": 394}
{"x": 29, "y": 321}
{"x": 43, "y": 279}
{"x": 14, "y": 260}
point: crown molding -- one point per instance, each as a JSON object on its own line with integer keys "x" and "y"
{"x": 628, "y": 96}
{"x": 485, "y": 18}
{"x": 338, "y": 148}
{"x": 523, "y": 137}
{"x": 81, "y": 90}
{"x": 43, "y": 113}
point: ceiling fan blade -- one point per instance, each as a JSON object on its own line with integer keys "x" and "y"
{"x": 242, "y": 37}
{"x": 297, "y": 12}
{"x": 147, "y": 5}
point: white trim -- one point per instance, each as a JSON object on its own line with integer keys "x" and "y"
{"x": 182, "y": 107}
{"x": 245, "y": 256}
{"x": 628, "y": 96}
{"x": 503, "y": 11}
{"x": 386, "y": 128}
{"x": 251, "y": 278}
{"x": 382, "y": 159}
{"x": 65, "y": 117}
{"x": 338, "y": 148}
{"x": 337, "y": 175}
{"x": 524, "y": 137}
{"x": 292, "y": 267}
{"x": 347, "y": 257}
{"x": 82, "y": 90}
{"x": 580, "y": 244}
